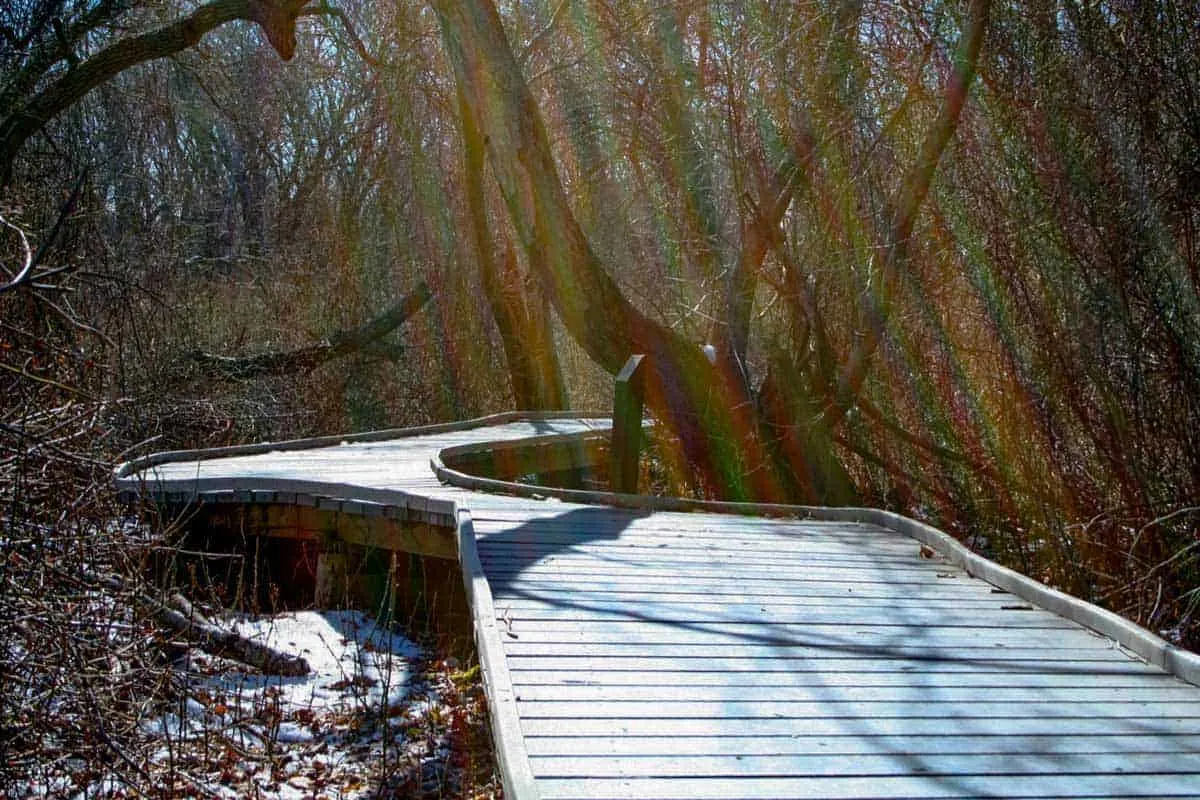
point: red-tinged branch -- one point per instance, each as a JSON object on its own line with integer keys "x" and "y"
{"x": 894, "y": 253}
{"x": 276, "y": 17}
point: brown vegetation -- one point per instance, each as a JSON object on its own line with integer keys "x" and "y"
{"x": 976, "y": 301}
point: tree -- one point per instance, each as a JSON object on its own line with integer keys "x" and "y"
{"x": 710, "y": 411}
{"x": 51, "y": 69}
{"x": 517, "y": 308}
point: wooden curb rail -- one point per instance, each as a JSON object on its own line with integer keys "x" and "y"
{"x": 515, "y": 770}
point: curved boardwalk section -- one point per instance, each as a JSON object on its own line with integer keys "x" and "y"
{"x": 638, "y": 654}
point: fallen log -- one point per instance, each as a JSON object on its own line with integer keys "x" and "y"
{"x": 206, "y": 635}
{"x": 222, "y": 642}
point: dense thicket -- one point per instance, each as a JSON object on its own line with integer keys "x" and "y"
{"x": 1013, "y": 354}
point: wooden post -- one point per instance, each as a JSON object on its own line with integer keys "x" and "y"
{"x": 627, "y": 424}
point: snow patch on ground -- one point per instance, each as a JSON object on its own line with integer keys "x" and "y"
{"x": 376, "y": 717}
{"x": 354, "y": 662}
{"x": 291, "y": 737}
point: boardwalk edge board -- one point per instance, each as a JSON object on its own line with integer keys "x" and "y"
{"x": 204, "y": 454}
{"x": 1144, "y": 643}
{"x": 514, "y": 764}
{"x": 184, "y": 491}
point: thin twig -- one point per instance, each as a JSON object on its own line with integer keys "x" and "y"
{"x": 27, "y": 274}
{"x": 27, "y": 261}
{"x": 1159, "y": 521}
{"x": 536, "y": 40}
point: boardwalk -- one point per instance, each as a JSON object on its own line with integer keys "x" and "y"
{"x": 631, "y": 653}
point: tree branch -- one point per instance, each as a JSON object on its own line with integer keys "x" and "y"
{"x": 305, "y": 359}
{"x": 326, "y": 10}
{"x": 26, "y": 275}
{"x": 276, "y": 17}
{"x": 895, "y": 252}
{"x": 49, "y": 50}
{"x": 535, "y": 42}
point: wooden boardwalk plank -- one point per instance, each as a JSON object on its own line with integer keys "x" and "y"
{"x": 852, "y": 709}
{"x": 855, "y": 745}
{"x": 668, "y": 698}
{"x": 805, "y": 765}
{"x": 1098, "y": 784}
{"x": 721, "y": 633}
{"x": 521, "y": 586}
{"x": 1080, "y": 726}
{"x": 921, "y": 681}
{"x": 768, "y": 613}
{"x": 865, "y": 651}
{"x": 530, "y": 596}
{"x": 1016, "y": 664}
{"x": 533, "y": 567}
{"x": 565, "y": 553}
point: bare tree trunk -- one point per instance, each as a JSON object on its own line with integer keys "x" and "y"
{"x": 682, "y": 388}
{"x": 524, "y": 325}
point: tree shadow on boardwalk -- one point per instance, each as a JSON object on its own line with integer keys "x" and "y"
{"x": 926, "y": 667}
{"x": 508, "y": 554}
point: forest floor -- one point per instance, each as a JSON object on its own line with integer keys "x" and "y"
{"x": 377, "y": 716}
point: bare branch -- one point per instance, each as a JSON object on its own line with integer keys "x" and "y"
{"x": 26, "y": 261}
{"x": 277, "y": 19}
{"x": 48, "y": 382}
{"x": 894, "y": 253}
{"x": 27, "y": 276}
{"x": 538, "y": 38}
{"x": 325, "y": 9}
{"x": 343, "y": 343}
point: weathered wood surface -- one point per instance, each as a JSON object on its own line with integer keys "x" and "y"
{"x": 670, "y": 655}
{"x": 628, "y": 401}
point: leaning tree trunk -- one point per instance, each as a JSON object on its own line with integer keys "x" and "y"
{"x": 523, "y": 322}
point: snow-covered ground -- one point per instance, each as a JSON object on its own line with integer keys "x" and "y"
{"x": 299, "y": 736}
{"x": 356, "y": 667}
{"x": 377, "y": 716}
{"x": 334, "y": 732}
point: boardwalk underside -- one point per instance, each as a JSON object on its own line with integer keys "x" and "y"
{"x": 687, "y": 655}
